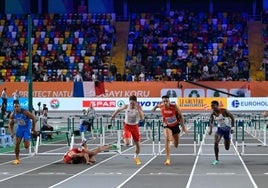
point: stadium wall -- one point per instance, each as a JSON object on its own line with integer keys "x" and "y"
{"x": 141, "y": 89}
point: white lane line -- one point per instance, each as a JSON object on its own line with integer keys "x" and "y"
{"x": 25, "y": 172}
{"x": 71, "y": 177}
{"x": 148, "y": 162}
{"x": 164, "y": 173}
{"x": 108, "y": 173}
{"x": 134, "y": 174}
{"x": 220, "y": 174}
{"x": 195, "y": 164}
{"x": 4, "y": 173}
{"x": 8, "y": 162}
{"x": 51, "y": 173}
{"x": 244, "y": 165}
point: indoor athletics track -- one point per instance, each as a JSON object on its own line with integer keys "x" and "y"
{"x": 190, "y": 167}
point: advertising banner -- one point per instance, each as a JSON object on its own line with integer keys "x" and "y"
{"x": 199, "y": 104}
{"x": 247, "y": 104}
{"x": 110, "y": 104}
{"x": 100, "y": 104}
{"x": 23, "y": 103}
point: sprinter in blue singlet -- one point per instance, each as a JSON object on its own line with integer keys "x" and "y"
{"x": 225, "y": 127}
{"x": 25, "y": 122}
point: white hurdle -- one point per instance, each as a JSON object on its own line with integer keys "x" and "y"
{"x": 61, "y": 125}
{"x": 58, "y": 123}
{"x": 102, "y": 126}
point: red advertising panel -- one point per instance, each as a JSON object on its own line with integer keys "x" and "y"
{"x": 40, "y": 89}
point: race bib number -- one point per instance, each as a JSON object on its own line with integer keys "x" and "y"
{"x": 21, "y": 122}
{"x": 131, "y": 120}
{"x": 171, "y": 120}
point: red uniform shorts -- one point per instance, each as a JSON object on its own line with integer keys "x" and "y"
{"x": 132, "y": 130}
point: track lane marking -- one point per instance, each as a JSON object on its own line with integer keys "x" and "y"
{"x": 25, "y": 172}
{"x": 96, "y": 165}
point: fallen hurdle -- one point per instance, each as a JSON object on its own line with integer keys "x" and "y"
{"x": 61, "y": 125}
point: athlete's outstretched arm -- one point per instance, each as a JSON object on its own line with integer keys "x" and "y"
{"x": 156, "y": 106}
{"x": 231, "y": 116}
{"x": 11, "y": 124}
{"x": 181, "y": 117}
{"x": 32, "y": 117}
{"x": 119, "y": 110}
{"x": 140, "y": 111}
{"x": 211, "y": 123}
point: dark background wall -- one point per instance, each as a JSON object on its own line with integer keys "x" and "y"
{"x": 124, "y": 7}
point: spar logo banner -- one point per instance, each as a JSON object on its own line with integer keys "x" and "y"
{"x": 200, "y": 104}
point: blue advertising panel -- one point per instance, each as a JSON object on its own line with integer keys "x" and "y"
{"x": 23, "y": 103}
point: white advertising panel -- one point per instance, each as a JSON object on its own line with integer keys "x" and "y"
{"x": 247, "y": 104}
{"x": 103, "y": 104}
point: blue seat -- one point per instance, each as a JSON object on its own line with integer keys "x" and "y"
{"x": 43, "y": 53}
{"x": 78, "y": 52}
{"x": 54, "y": 47}
{"x": 71, "y": 66}
{"x": 52, "y": 34}
{"x": 13, "y": 72}
{"x": 70, "y": 40}
{"x": 49, "y": 72}
{"x": 81, "y": 34}
{"x": 66, "y": 60}
{"x": 41, "y": 40}
{"x": 210, "y": 46}
{"x": 6, "y": 140}
{"x": 245, "y": 52}
{"x": 79, "y": 47}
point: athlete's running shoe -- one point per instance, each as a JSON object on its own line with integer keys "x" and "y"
{"x": 16, "y": 162}
{"x": 114, "y": 147}
{"x": 137, "y": 160}
{"x": 215, "y": 162}
{"x": 167, "y": 162}
{"x": 84, "y": 141}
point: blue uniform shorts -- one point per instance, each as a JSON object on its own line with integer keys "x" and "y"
{"x": 225, "y": 132}
{"x": 23, "y": 132}
{"x": 83, "y": 128}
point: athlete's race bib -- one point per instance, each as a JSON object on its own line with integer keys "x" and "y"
{"x": 21, "y": 122}
{"x": 171, "y": 120}
{"x": 131, "y": 120}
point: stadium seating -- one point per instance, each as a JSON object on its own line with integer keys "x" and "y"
{"x": 180, "y": 36}
{"x": 50, "y": 36}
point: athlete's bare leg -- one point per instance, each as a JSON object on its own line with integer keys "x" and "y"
{"x": 216, "y": 146}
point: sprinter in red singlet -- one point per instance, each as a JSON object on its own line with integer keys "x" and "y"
{"x": 172, "y": 120}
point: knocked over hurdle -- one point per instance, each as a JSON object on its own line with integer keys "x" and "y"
{"x": 60, "y": 125}
{"x": 71, "y": 124}
{"x": 63, "y": 130}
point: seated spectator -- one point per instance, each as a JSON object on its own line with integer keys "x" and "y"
{"x": 46, "y": 126}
